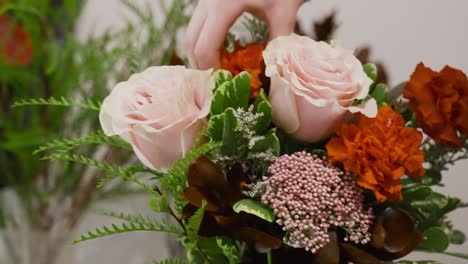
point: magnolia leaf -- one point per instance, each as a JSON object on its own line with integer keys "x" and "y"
{"x": 270, "y": 142}
{"x": 254, "y": 208}
{"x": 380, "y": 94}
{"x": 436, "y": 240}
{"x": 371, "y": 71}
{"x": 222, "y": 76}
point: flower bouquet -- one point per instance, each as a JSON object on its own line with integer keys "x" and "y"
{"x": 322, "y": 165}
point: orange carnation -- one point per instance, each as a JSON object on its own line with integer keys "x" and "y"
{"x": 248, "y": 58}
{"x": 16, "y": 46}
{"x": 440, "y": 101}
{"x": 380, "y": 150}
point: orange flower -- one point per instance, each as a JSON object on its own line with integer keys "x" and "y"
{"x": 248, "y": 58}
{"x": 16, "y": 47}
{"x": 440, "y": 101}
{"x": 380, "y": 150}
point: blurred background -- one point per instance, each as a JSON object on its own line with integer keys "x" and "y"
{"x": 400, "y": 33}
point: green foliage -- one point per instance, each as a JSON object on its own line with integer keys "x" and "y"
{"x": 125, "y": 173}
{"x": 371, "y": 71}
{"x": 159, "y": 204}
{"x": 98, "y": 138}
{"x": 195, "y": 221}
{"x": 436, "y": 240}
{"x": 128, "y": 227}
{"x": 255, "y": 208}
{"x": 64, "y": 102}
{"x": 380, "y": 94}
{"x": 243, "y": 130}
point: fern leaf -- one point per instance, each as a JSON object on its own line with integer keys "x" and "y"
{"x": 127, "y": 227}
{"x": 98, "y": 137}
{"x": 132, "y": 218}
{"x": 176, "y": 176}
{"x": 195, "y": 221}
{"x": 170, "y": 261}
{"x": 126, "y": 173}
{"x": 62, "y": 101}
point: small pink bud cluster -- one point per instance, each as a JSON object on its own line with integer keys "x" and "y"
{"x": 308, "y": 196}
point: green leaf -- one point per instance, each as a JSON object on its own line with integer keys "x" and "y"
{"x": 371, "y": 71}
{"x": 261, "y": 105}
{"x": 270, "y": 141}
{"x": 229, "y": 146}
{"x": 216, "y": 127}
{"x": 159, "y": 204}
{"x": 416, "y": 193}
{"x": 222, "y": 76}
{"x": 220, "y": 98}
{"x": 242, "y": 88}
{"x": 380, "y": 94}
{"x": 255, "y": 208}
{"x": 433, "y": 203}
{"x": 195, "y": 221}
{"x": 436, "y": 240}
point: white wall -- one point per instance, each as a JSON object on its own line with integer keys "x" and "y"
{"x": 401, "y": 34}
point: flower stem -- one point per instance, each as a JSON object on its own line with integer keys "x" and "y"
{"x": 269, "y": 260}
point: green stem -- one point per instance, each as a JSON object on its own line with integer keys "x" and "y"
{"x": 269, "y": 260}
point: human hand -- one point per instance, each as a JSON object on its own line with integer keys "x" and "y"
{"x": 212, "y": 19}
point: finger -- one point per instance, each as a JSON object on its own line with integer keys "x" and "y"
{"x": 193, "y": 31}
{"x": 213, "y": 34}
{"x": 281, "y": 21}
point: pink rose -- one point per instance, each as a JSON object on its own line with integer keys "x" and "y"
{"x": 159, "y": 112}
{"x": 313, "y": 86}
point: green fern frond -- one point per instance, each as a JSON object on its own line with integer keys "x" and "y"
{"x": 126, "y": 173}
{"x": 127, "y": 227}
{"x": 98, "y": 137}
{"x": 170, "y": 261}
{"x": 195, "y": 221}
{"x": 177, "y": 175}
{"x": 132, "y": 218}
{"x": 62, "y": 101}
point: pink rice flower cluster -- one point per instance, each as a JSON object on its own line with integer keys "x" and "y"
{"x": 309, "y": 196}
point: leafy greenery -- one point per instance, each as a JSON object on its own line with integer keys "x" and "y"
{"x": 127, "y": 227}
{"x": 255, "y": 208}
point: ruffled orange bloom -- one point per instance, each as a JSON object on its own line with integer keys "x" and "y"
{"x": 380, "y": 151}
{"x": 440, "y": 101}
{"x": 16, "y": 46}
{"x": 248, "y": 58}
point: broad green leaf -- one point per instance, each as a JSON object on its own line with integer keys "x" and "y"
{"x": 255, "y": 208}
{"x": 216, "y": 126}
{"x": 416, "y": 193}
{"x": 433, "y": 203}
{"x": 242, "y": 87}
{"x": 270, "y": 141}
{"x": 371, "y": 71}
{"x": 222, "y": 76}
{"x": 380, "y": 94}
{"x": 219, "y": 102}
{"x": 436, "y": 240}
{"x": 261, "y": 105}
{"x": 229, "y": 146}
